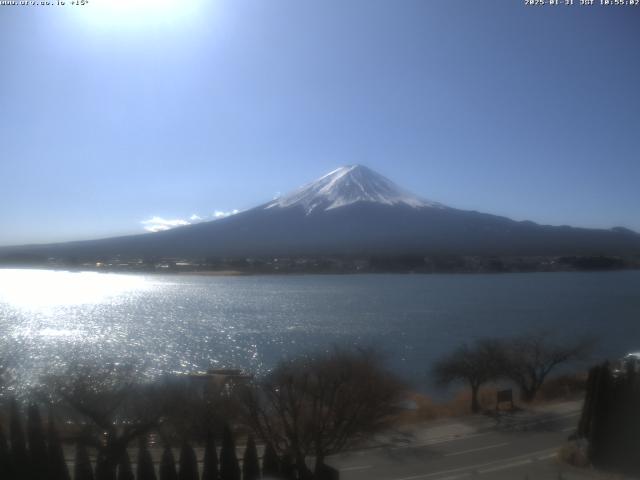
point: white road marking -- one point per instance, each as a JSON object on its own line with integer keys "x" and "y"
{"x": 547, "y": 457}
{"x": 506, "y": 466}
{"x": 439, "y": 440}
{"x": 479, "y": 449}
{"x": 355, "y": 467}
{"x": 456, "y": 477}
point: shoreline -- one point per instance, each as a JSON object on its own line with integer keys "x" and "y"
{"x": 305, "y": 272}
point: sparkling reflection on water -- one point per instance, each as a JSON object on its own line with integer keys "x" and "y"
{"x": 163, "y": 323}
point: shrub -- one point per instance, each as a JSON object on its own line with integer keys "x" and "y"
{"x": 250, "y": 464}
{"x": 168, "y": 465}
{"x": 188, "y": 463}
{"x": 145, "y": 470}
{"x": 125, "y": 472}
{"x": 229, "y": 467}
{"x": 270, "y": 462}
{"x": 82, "y": 469}
{"x": 210, "y": 468}
{"x": 58, "y": 469}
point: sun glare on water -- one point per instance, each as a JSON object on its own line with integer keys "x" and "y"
{"x": 44, "y": 288}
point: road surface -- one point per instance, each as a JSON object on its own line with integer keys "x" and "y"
{"x": 522, "y": 446}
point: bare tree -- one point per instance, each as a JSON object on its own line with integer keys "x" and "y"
{"x": 109, "y": 406}
{"x": 476, "y": 365}
{"x": 322, "y": 405}
{"x": 532, "y": 357}
{"x": 194, "y": 409}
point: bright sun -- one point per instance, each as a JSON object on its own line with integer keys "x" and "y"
{"x": 136, "y": 13}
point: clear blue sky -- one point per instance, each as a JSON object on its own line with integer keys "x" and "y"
{"x": 114, "y": 115}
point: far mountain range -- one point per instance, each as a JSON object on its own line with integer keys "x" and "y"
{"x": 351, "y": 211}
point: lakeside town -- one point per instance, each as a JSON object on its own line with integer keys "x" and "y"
{"x": 338, "y": 264}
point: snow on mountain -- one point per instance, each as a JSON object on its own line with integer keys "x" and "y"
{"x": 347, "y": 185}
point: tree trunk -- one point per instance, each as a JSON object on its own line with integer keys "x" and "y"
{"x": 318, "y": 466}
{"x": 303, "y": 471}
{"x": 527, "y": 394}
{"x": 475, "y": 404}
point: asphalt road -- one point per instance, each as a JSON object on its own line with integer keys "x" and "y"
{"x": 519, "y": 447}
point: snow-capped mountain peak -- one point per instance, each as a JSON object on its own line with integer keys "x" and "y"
{"x": 347, "y": 185}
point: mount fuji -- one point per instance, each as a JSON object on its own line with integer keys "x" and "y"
{"x": 351, "y": 211}
{"x": 346, "y": 186}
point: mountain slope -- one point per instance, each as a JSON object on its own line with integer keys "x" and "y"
{"x": 346, "y": 186}
{"x": 352, "y": 211}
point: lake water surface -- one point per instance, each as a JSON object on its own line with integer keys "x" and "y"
{"x": 49, "y": 319}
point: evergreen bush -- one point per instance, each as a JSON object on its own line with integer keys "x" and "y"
{"x": 270, "y": 462}
{"x": 145, "y": 470}
{"x": 188, "y": 463}
{"x": 5, "y": 457}
{"x": 250, "y": 464}
{"x": 125, "y": 472}
{"x": 210, "y": 468}
{"x": 611, "y": 419}
{"x": 82, "y": 469}
{"x": 37, "y": 444}
{"x": 168, "y": 465}
{"x": 19, "y": 456}
{"x": 58, "y": 469}
{"x": 229, "y": 467}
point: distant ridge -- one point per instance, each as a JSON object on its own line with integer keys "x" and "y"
{"x": 350, "y": 211}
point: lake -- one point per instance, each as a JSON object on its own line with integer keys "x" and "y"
{"x": 167, "y": 323}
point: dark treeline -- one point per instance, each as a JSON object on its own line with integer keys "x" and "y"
{"x": 31, "y": 453}
{"x": 398, "y": 263}
{"x": 115, "y": 428}
{"x": 38, "y": 455}
{"x": 611, "y": 418}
